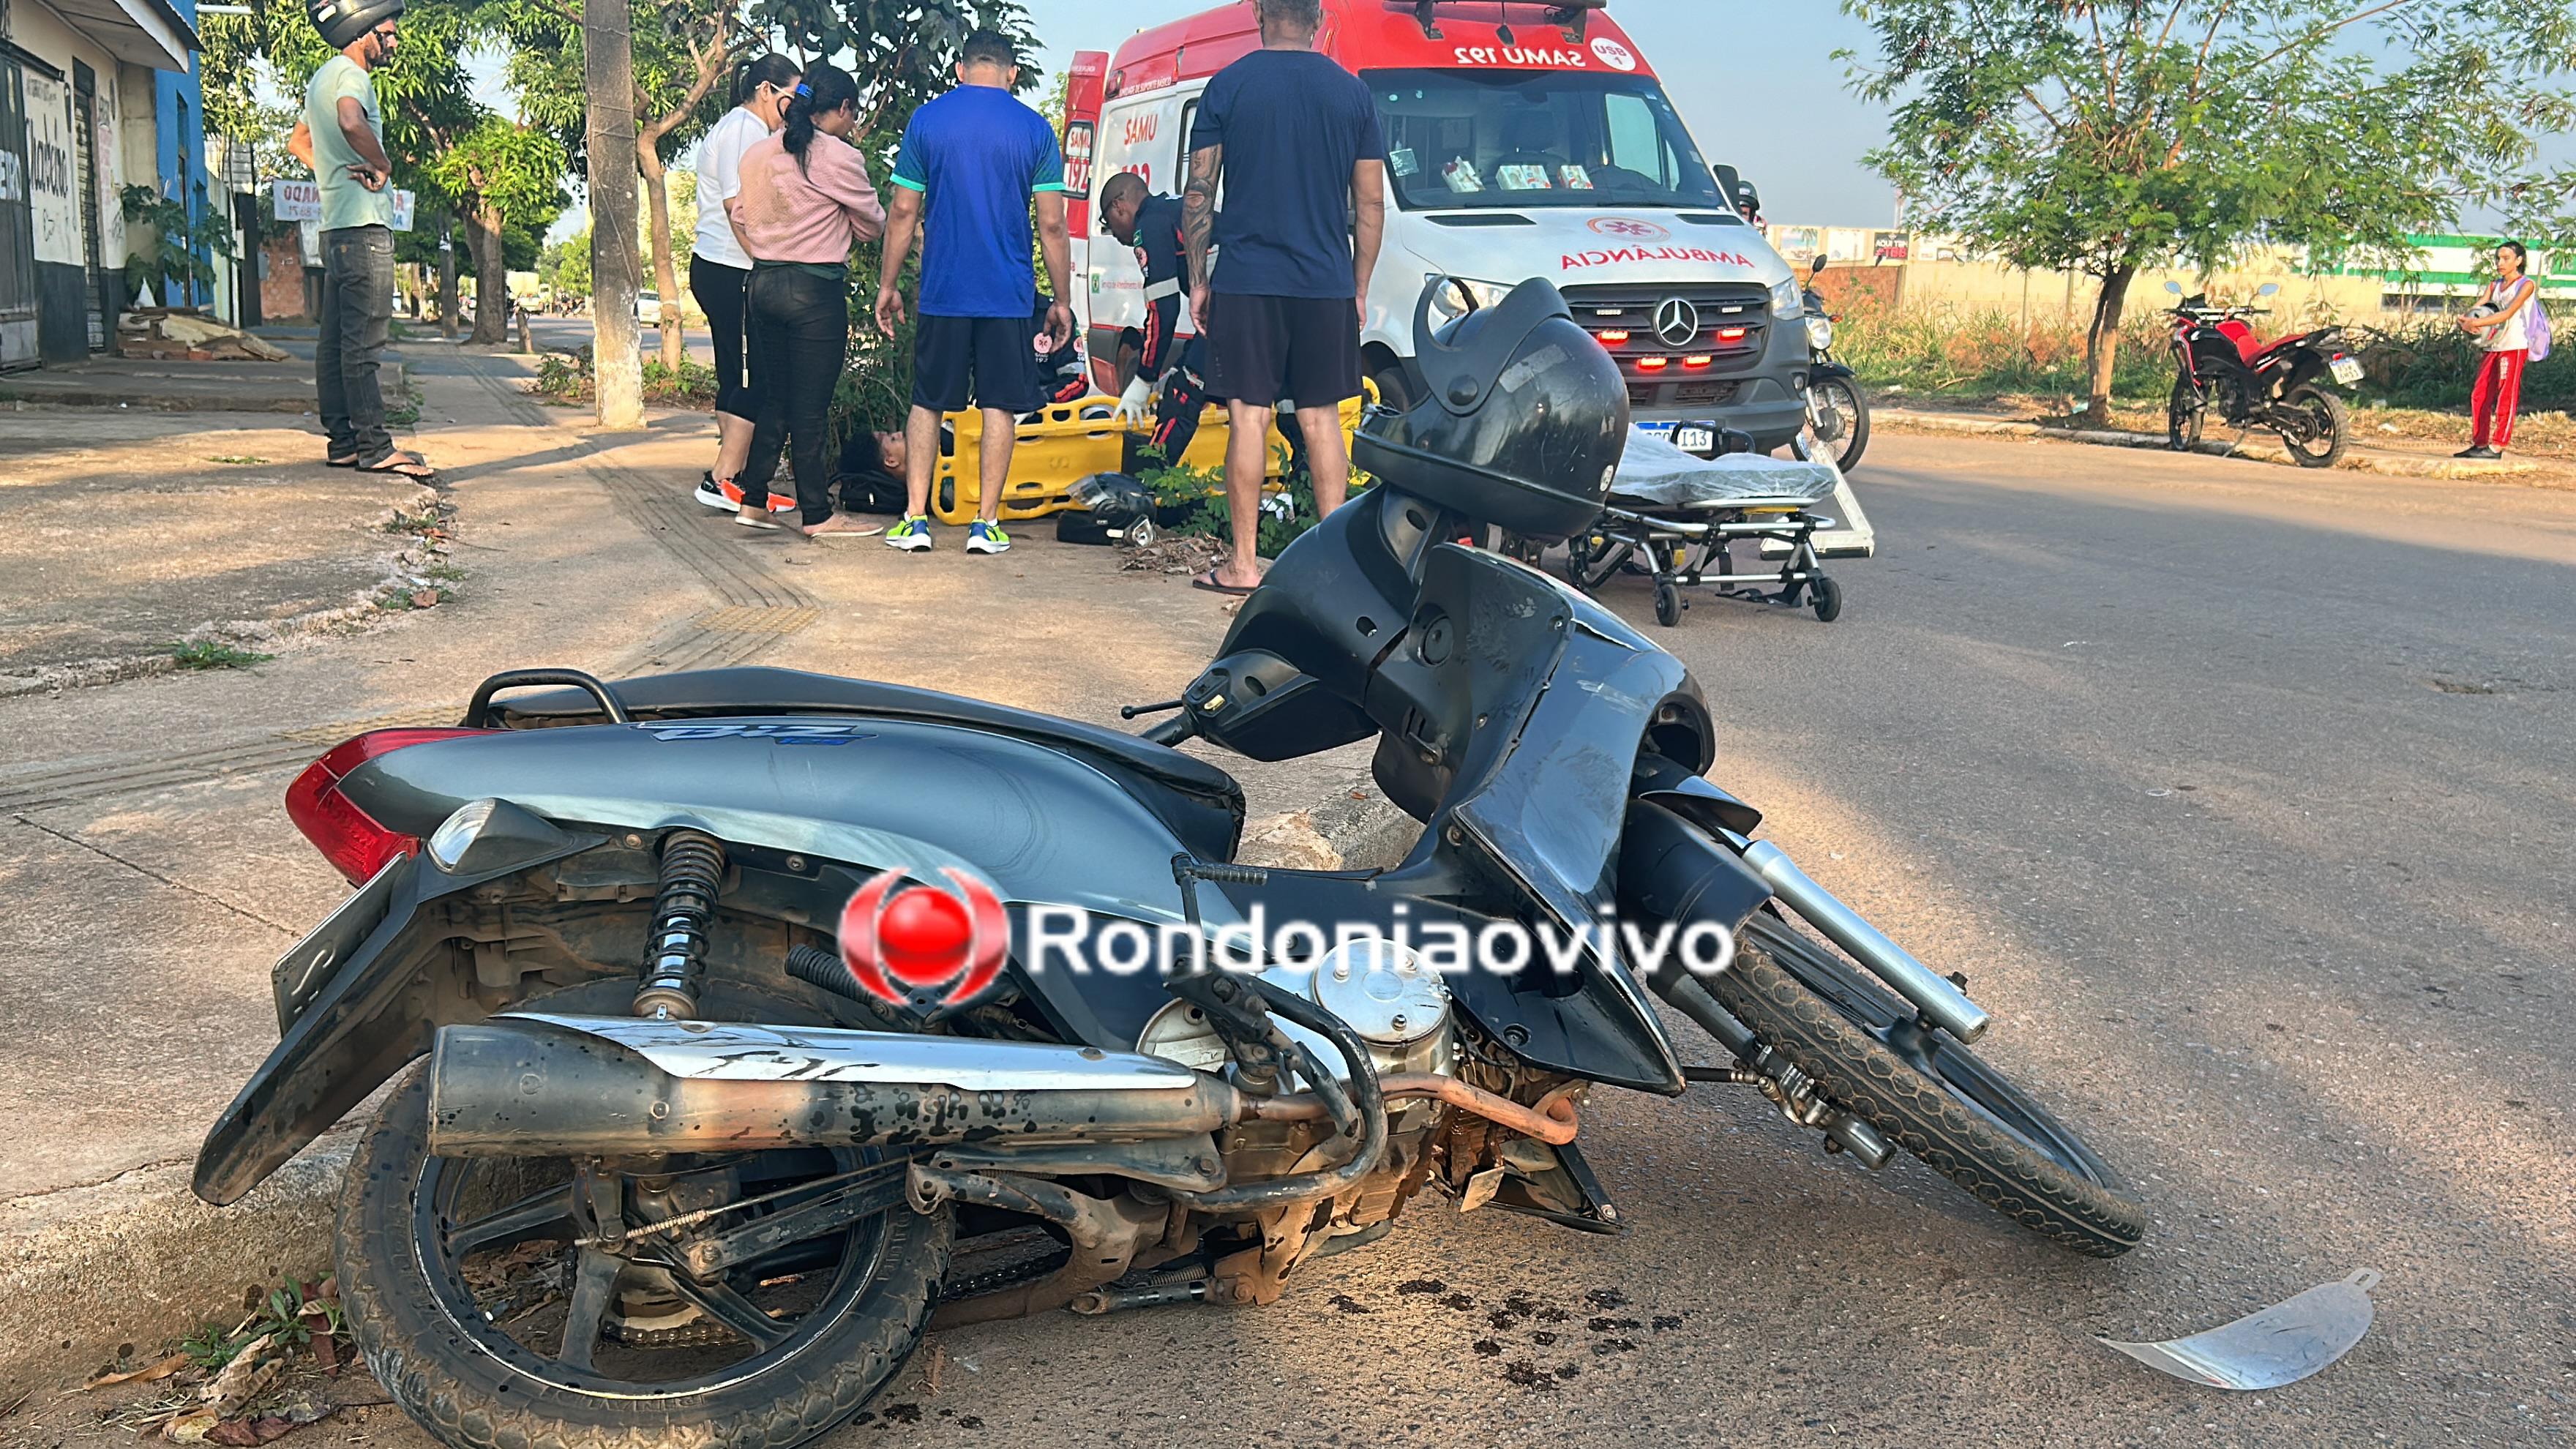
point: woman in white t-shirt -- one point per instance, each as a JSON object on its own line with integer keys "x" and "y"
{"x": 2500, "y": 323}
{"x": 720, "y": 269}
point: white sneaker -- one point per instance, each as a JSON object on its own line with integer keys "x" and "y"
{"x": 712, "y": 494}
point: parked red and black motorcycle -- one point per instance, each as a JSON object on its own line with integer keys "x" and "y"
{"x": 2286, "y": 385}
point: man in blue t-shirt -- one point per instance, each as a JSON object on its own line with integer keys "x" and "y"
{"x": 969, "y": 163}
{"x": 1293, "y": 140}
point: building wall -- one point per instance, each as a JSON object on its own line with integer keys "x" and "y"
{"x": 61, "y": 276}
{"x": 1938, "y": 274}
{"x": 179, "y": 162}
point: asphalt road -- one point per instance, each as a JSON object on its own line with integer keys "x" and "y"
{"x": 2240, "y": 794}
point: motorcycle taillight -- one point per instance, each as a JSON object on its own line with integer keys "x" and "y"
{"x": 354, "y": 842}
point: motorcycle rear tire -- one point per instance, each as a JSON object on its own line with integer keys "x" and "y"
{"x": 467, "y": 1396}
{"x": 2039, "y": 1174}
{"x": 2338, "y": 426}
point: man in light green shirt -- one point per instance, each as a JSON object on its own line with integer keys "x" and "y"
{"x": 342, "y": 137}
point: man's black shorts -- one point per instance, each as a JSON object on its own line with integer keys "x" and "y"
{"x": 991, "y": 362}
{"x": 1263, "y": 349}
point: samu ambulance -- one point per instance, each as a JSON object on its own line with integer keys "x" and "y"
{"x": 1523, "y": 140}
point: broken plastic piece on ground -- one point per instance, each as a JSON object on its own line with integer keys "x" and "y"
{"x": 2280, "y": 1345}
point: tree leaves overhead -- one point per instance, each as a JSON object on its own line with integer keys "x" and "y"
{"x": 2101, "y": 135}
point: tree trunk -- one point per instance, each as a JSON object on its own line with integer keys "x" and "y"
{"x": 448, "y": 304}
{"x": 491, "y": 274}
{"x": 2102, "y": 343}
{"x": 666, "y": 279}
{"x": 608, "y": 73}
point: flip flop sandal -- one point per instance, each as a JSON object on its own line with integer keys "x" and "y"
{"x": 339, "y": 460}
{"x": 402, "y": 465}
{"x": 1208, "y": 581}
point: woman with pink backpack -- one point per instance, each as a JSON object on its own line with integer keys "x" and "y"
{"x": 2511, "y": 327}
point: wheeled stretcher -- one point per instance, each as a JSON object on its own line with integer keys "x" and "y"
{"x": 1682, "y": 518}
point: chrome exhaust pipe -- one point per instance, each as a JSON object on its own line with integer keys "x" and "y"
{"x": 1941, "y": 1003}
{"x": 566, "y": 1086}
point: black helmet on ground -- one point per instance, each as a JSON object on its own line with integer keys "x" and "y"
{"x": 343, "y": 22}
{"x": 1523, "y": 420}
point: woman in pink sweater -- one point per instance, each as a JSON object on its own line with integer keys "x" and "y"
{"x": 805, "y": 201}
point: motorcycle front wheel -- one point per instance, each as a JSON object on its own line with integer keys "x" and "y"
{"x": 1869, "y": 1056}
{"x": 1840, "y": 416}
{"x": 2328, "y": 430}
{"x": 2182, "y": 416}
{"x": 483, "y": 1301}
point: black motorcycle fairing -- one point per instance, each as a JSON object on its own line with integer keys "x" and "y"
{"x": 1183, "y": 789}
{"x": 1693, "y": 796}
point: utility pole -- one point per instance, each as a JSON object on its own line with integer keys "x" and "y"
{"x": 608, "y": 74}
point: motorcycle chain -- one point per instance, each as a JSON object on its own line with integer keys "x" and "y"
{"x": 1029, "y": 1264}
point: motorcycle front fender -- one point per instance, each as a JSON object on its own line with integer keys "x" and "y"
{"x": 1827, "y": 367}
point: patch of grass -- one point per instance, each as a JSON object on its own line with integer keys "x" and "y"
{"x": 445, "y": 573}
{"x": 210, "y": 654}
{"x": 564, "y": 378}
{"x": 1192, "y": 501}
{"x": 287, "y": 1316}
{"x": 241, "y": 459}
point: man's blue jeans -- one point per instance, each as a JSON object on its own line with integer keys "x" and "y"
{"x": 357, "y": 316}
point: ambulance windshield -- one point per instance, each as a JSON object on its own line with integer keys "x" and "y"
{"x": 1518, "y": 139}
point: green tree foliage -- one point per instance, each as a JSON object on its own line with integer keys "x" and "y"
{"x": 510, "y": 177}
{"x": 2102, "y": 136}
{"x": 446, "y": 145}
{"x": 686, "y": 54}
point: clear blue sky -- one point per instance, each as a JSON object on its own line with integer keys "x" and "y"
{"x": 1756, "y": 80}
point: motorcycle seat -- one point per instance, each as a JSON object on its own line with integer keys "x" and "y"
{"x": 715, "y": 693}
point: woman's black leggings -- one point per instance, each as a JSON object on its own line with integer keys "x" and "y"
{"x": 800, "y": 338}
{"x": 719, "y": 290}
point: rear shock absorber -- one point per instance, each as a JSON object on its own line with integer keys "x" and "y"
{"x": 675, "y": 956}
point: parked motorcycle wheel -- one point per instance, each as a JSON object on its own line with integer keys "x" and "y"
{"x": 1840, "y": 416}
{"x": 1925, "y": 1091}
{"x": 425, "y": 1244}
{"x": 2330, "y": 424}
{"x": 2183, "y": 413}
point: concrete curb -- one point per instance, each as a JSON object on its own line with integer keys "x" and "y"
{"x": 204, "y": 395}
{"x": 137, "y": 1259}
{"x": 2392, "y": 465}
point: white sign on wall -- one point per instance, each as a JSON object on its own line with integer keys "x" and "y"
{"x": 51, "y": 187}
{"x": 302, "y": 201}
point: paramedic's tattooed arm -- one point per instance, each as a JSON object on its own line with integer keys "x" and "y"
{"x": 1198, "y": 222}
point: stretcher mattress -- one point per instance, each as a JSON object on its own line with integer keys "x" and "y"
{"x": 1655, "y": 474}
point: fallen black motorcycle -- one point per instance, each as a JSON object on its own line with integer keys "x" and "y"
{"x": 1837, "y": 409}
{"x": 681, "y": 1150}
{"x": 2286, "y": 385}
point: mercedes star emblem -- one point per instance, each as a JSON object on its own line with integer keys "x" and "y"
{"x": 1677, "y": 322}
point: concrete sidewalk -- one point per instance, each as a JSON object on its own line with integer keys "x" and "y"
{"x": 153, "y": 876}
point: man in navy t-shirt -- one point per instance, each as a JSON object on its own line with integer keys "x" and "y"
{"x": 1293, "y": 140}
{"x": 969, "y": 163}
